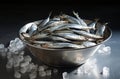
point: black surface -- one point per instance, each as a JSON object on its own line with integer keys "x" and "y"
{"x": 13, "y": 16}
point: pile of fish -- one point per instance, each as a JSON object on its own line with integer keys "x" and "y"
{"x": 64, "y": 31}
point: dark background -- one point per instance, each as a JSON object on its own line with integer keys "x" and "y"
{"x": 15, "y": 14}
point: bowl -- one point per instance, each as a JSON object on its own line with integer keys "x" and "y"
{"x": 63, "y": 57}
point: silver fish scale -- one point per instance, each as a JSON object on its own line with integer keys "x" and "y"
{"x": 86, "y": 34}
{"x": 57, "y": 38}
{"x": 74, "y": 26}
{"x": 42, "y": 35}
{"x": 52, "y": 24}
{"x": 71, "y": 36}
{"x": 70, "y": 19}
{"x": 63, "y": 45}
{"x": 100, "y": 30}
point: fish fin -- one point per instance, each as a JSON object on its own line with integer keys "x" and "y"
{"x": 50, "y": 14}
{"x": 76, "y": 14}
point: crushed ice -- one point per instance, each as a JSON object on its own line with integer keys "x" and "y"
{"x": 3, "y": 50}
{"x": 104, "y": 50}
{"x": 106, "y": 72}
{"x": 15, "y": 45}
{"x": 23, "y": 64}
{"x": 91, "y": 68}
{"x": 65, "y": 75}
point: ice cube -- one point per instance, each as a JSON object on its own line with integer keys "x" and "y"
{"x": 19, "y": 45}
{"x": 42, "y": 73}
{"x": 35, "y": 68}
{"x": 48, "y": 72}
{"x": 106, "y": 50}
{"x": 21, "y": 53}
{"x": 11, "y": 43}
{"x": 3, "y": 52}
{"x": 80, "y": 70}
{"x": 106, "y": 71}
{"x": 17, "y": 40}
{"x": 15, "y": 45}
{"x": 65, "y": 75}
{"x": 23, "y": 69}
{"x": 17, "y": 74}
{"x": 9, "y": 65}
{"x": 2, "y": 46}
{"x": 20, "y": 58}
{"x": 9, "y": 55}
{"x": 12, "y": 47}
{"x": 30, "y": 67}
{"x": 23, "y": 64}
{"x": 16, "y": 64}
{"x": 27, "y": 58}
{"x": 88, "y": 67}
{"x": 33, "y": 75}
{"x": 41, "y": 68}
{"x": 16, "y": 52}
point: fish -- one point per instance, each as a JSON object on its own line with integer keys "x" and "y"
{"x": 57, "y": 38}
{"x": 53, "y": 25}
{"x": 73, "y": 26}
{"x": 88, "y": 43}
{"x": 71, "y": 36}
{"x": 32, "y": 29}
{"x": 44, "y": 22}
{"x": 82, "y": 22}
{"x": 87, "y": 34}
{"x": 100, "y": 30}
{"x": 25, "y": 35}
{"x": 69, "y": 18}
{"x": 93, "y": 23}
{"x": 39, "y": 42}
{"x": 39, "y": 36}
{"x": 63, "y": 31}
{"x": 52, "y": 29}
{"x": 62, "y": 45}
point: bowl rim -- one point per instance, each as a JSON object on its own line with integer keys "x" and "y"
{"x": 65, "y": 49}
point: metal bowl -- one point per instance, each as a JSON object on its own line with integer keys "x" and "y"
{"x": 63, "y": 57}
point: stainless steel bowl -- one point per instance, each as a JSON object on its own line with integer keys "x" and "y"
{"x": 63, "y": 57}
